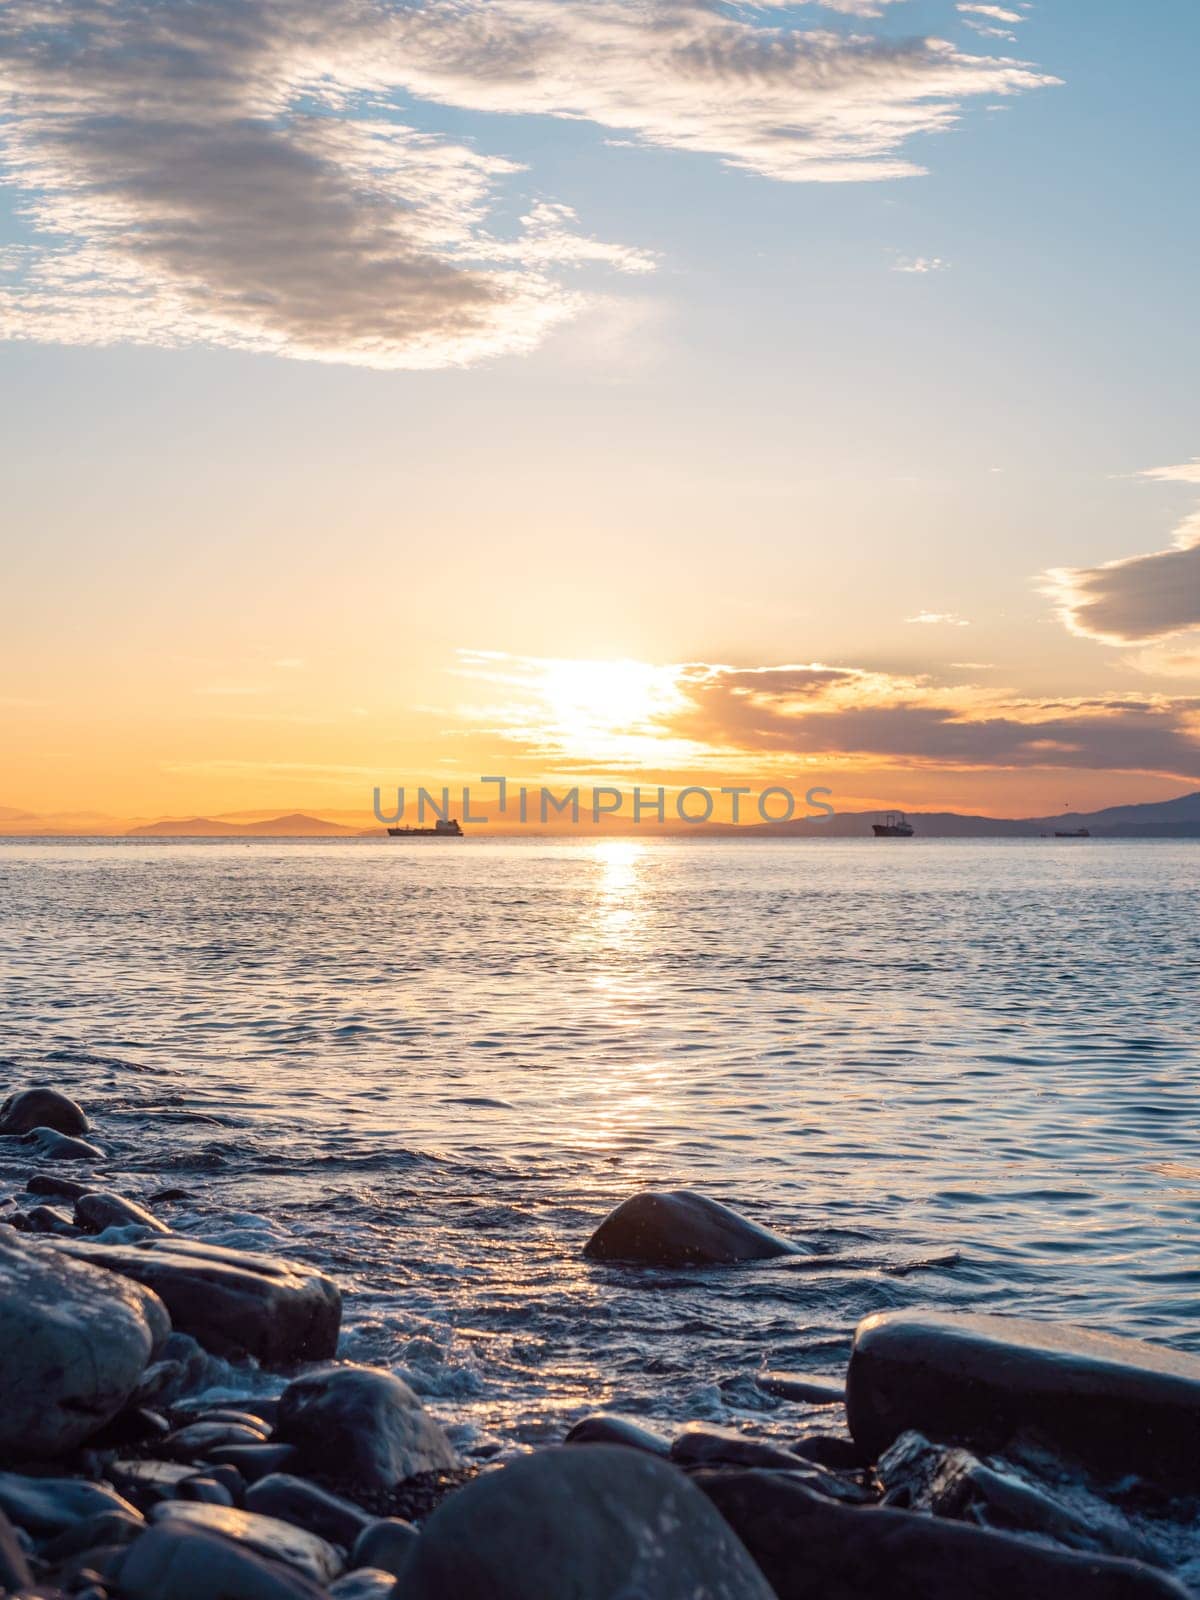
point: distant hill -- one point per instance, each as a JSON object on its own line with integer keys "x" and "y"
{"x": 1160, "y": 819}
{"x": 295, "y": 825}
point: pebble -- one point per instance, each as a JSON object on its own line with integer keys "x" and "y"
{"x": 361, "y": 1425}
{"x": 682, "y": 1228}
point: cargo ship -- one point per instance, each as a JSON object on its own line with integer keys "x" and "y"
{"x": 895, "y": 825}
{"x": 440, "y": 830}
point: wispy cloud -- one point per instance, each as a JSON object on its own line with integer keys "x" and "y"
{"x": 1139, "y": 599}
{"x": 939, "y": 619}
{"x": 919, "y": 264}
{"x": 243, "y": 176}
{"x": 984, "y": 19}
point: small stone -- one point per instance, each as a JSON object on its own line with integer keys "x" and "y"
{"x": 701, "y": 1443}
{"x": 50, "y": 1183}
{"x": 362, "y": 1426}
{"x": 304, "y": 1505}
{"x": 148, "y": 1482}
{"x": 99, "y": 1209}
{"x": 589, "y": 1522}
{"x": 189, "y": 1563}
{"x": 54, "y": 1146}
{"x": 201, "y": 1438}
{"x": 207, "y": 1491}
{"x": 606, "y": 1428}
{"x": 386, "y": 1543}
{"x": 830, "y": 1450}
{"x": 42, "y": 1108}
{"x": 45, "y": 1506}
{"x": 802, "y": 1386}
{"x": 278, "y": 1541}
{"x": 49, "y": 1219}
{"x": 254, "y": 1461}
{"x": 682, "y": 1228}
{"x": 365, "y": 1583}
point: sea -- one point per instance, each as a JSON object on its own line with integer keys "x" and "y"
{"x": 959, "y": 1073}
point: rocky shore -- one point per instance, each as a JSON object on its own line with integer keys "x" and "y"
{"x": 965, "y": 1455}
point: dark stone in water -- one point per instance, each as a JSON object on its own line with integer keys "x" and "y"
{"x": 949, "y": 1481}
{"x": 605, "y": 1428}
{"x": 363, "y": 1426}
{"x": 42, "y": 1108}
{"x": 810, "y": 1548}
{"x": 55, "y": 1146}
{"x": 99, "y": 1209}
{"x": 49, "y": 1219}
{"x": 45, "y": 1506}
{"x": 292, "y": 1547}
{"x": 50, "y": 1183}
{"x": 306, "y": 1506}
{"x": 235, "y": 1303}
{"x": 15, "y": 1576}
{"x": 74, "y": 1343}
{"x": 802, "y": 1386}
{"x": 591, "y": 1522}
{"x": 188, "y": 1563}
{"x": 679, "y": 1229}
{"x": 1117, "y": 1405}
{"x": 254, "y": 1461}
{"x": 384, "y": 1544}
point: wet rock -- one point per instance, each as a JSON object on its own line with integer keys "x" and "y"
{"x": 592, "y": 1522}
{"x": 802, "y": 1386}
{"x": 386, "y": 1543}
{"x": 606, "y": 1428}
{"x": 14, "y": 1568}
{"x": 190, "y": 1563}
{"x": 367, "y": 1583}
{"x": 255, "y": 1461}
{"x": 362, "y": 1426}
{"x": 54, "y": 1146}
{"x": 243, "y": 1419}
{"x": 110, "y": 1528}
{"x": 45, "y": 1506}
{"x": 1118, "y": 1405}
{"x": 199, "y": 1439}
{"x": 98, "y": 1209}
{"x": 148, "y": 1482}
{"x": 74, "y": 1343}
{"x": 305, "y": 1505}
{"x": 278, "y": 1541}
{"x": 27, "y": 1109}
{"x": 50, "y": 1183}
{"x": 682, "y": 1228}
{"x": 206, "y": 1491}
{"x": 704, "y": 1442}
{"x": 810, "y": 1548}
{"x": 49, "y": 1219}
{"x": 235, "y": 1303}
{"x": 949, "y": 1481}
{"x": 830, "y": 1450}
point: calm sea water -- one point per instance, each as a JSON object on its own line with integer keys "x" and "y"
{"x": 434, "y": 1068}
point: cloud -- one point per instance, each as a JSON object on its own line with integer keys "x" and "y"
{"x": 1140, "y": 599}
{"x": 919, "y": 264}
{"x": 247, "y": 175}
{"x": 939, "y": 619}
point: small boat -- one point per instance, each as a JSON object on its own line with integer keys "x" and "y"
{"x": 895, "y": 825}
{"x": 1074, "y": 833}
{"x": 440, "y": 830}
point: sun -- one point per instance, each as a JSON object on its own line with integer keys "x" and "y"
{"x": 607, "y": 707}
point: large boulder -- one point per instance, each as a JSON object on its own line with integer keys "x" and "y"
{"x": 1117, "y": 1405}
{"x": 592, "y": 1522}
{"x": 74, "y": 1343}
{"x": 189, "y": 1563}
{"x": 361, "y": 1426}
{"x": 235, "y": 1303}
{"x": 42, "y": 1108}
{"x": 810, "y": 1548}
{"x": 682, "y": 1228}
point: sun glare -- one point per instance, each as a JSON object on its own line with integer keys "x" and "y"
{"x": 608, "y": 707}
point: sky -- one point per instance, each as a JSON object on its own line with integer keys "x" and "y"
{"x": 616, "y": 390}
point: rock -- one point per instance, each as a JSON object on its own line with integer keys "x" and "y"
{"x": 306, "y": 1506}
{"x": 278, "y": 1541}
{"x": 1118, "y": 1405}
{"x": 55, "y": 1146}
{"x": 49, "y": 1219}
{"x": 802, "y": 1386}
{"x": 949, "y": 1481}
{"x": 707, "y": 1442}
{"x": 830, "y": 1450}
{"x": 386, "y": 1543}
{"x": 74, "y": 1343}
{"x": 243, "y": 1419}
{"x": 50, "y": 1183}
{"x": 136, "y": 1425}
{"x": 366, "y": 1583}
{"x": 45, "y": 1506}
{"x": 363, "y": 1426}
{"x": 593, "y": 1522}
{"x": 200, "y": 1438}
{"x": 236, "y": 1303}
{"x": 148, "y": 1482}
{"x": 206, "y": 1491}
{"x": 98, "y": 1209}
{"x": 189, "y": 1563}
{"x": 14, "y": 1568}
{"x": 110, "y": 1528}
{"x": 42, "y": 1108}
{"x": 605, "y": 1428}
{"x": 810, "y": 1548}
{"x": 255, "y": 1461}
{"x": 682, "y": 1228}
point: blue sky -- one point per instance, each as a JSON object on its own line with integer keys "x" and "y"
{"x": 750, "y": 417}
